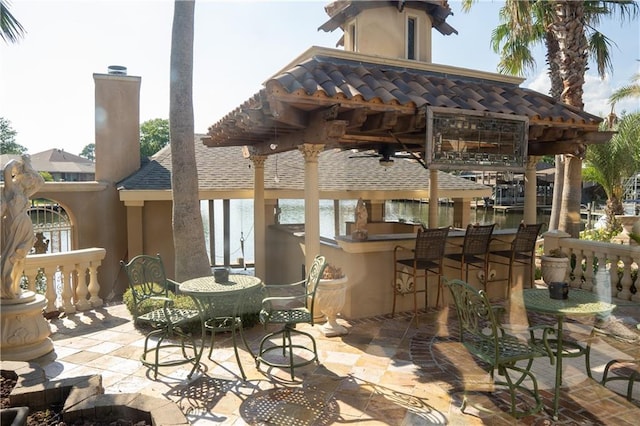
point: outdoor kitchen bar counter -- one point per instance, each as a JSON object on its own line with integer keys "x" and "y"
{"x": 369, "y": 267}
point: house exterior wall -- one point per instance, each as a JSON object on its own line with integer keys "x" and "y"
{"x": 158, "y": 234}
{"x": 382, "y": 32}
{"x": 98, "y": 220}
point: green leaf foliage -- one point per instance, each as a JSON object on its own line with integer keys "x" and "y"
{"x": 154, "y": 135}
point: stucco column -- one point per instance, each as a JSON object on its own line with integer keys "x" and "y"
{"x": 376, "y": 210}
{"x": 433, "y": 198}
{"x": 259, "y": 220}
{"x": 530, "y": 190}
{"x": 461, "y": 212}
{"x": 311, "y": 201}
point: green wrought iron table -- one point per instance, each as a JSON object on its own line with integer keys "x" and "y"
{"x": 578, "y": 303}
{"x": 222, "y": 304}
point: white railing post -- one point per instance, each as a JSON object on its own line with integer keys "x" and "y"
{"x": 587, "y": 283}
{"x": 626, "y": 279}
{"x": 622, "y": 258}
{"x": 82, "y": 304}
{"x": 72, "y": 268}
{"x": 94, "y": 287}
{"x": 67, "y": 291}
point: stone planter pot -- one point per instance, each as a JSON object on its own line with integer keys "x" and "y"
{"x": 554, "y": 269}
{"x": 330, "y": 298}
{"x": 628, "y": 223}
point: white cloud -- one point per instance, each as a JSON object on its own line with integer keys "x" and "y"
{"x": 596, "y": 93}
{"x": 539, "y": 83}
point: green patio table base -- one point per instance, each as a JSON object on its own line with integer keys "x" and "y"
{"x": 578, "y": 303}
{"x": 221, "y": 305}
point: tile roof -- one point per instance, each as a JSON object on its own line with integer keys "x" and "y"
{"x": 343, "y": 10}
{"x": 322, "y": 78}
{"x": 225, "y": 169}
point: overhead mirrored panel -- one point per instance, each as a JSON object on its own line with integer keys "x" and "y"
{"x": 470, "y": 140}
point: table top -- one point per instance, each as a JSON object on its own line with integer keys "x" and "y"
{"x": 204, "y": 286}
{"x": 579, "y": 302}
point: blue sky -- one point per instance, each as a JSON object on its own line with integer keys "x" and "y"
{"x": 47, "y": 89}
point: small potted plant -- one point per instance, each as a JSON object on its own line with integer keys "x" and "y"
{"x": 554, "y": 266}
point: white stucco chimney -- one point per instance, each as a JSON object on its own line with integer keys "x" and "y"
{"x": 117, "y": 124}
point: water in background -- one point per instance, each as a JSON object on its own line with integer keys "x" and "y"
{"x": 292, "y": 212}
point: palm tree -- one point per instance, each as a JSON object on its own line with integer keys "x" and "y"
{"x": 563, "y": 27}
{"x": 10, "y": 29}
{"x": 611, "y": 164}
{"x": 188, "y": 235}
{"x": 630, "y": 91}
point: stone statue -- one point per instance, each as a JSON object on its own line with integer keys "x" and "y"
{"x": 41, "y": 246}
{"x": 360, "y": 233}
{"x": 21, "y": 181}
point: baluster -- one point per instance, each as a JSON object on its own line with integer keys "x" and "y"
{"x": 626, "y": 280}
{"x": 50, "y": 292}
{"x": 67, "y": 292}
{"x": 587, "y": 283}
{"x": 94, "y": 286}
{"x": 616, "y": 286}
{"x": 82, "y": 304}
{"x": 31, "y": 275}
{"x": 574, "y": 268}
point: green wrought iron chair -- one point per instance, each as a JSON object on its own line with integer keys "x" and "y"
{"x": 150, "y": 287}
{"x": 626, "y": 370}
{"x": 288, "y": 311}
{"x": 485, "y": 338}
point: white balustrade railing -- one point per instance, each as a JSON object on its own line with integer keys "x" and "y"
{"x": 620, "y": 260}
{"x": 76, "y": 272}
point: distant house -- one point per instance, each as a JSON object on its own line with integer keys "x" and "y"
{"x": 64, "y": 166}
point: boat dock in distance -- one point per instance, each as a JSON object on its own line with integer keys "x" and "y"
{"x": 504, "y": 209}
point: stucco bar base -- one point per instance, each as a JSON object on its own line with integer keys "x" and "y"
{"x": 25, "y": 331}
{"x": 370, "y": 268}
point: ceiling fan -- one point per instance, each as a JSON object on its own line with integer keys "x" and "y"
{"x": 385, "y": 152}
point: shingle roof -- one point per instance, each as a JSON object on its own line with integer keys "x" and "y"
{"x": 225, "y": 169}
{"x": 60, "y": 161}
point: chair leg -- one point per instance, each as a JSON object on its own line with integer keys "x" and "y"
{"x": 395, "y": 291}
{"x": 415, "y": 297}
{"x": 238, "y": 322}
{"x": 288, "y": 345}
{"x": 440, "y": 291}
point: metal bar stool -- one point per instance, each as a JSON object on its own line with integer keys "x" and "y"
{"x": 427, "y": 259}
{"x": 475, "y": 252}
{"x": 522, "y": 252}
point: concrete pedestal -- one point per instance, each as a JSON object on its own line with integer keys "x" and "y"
{"x": 24, "y": 332}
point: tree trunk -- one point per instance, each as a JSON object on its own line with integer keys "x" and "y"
{"x": 188, "y": 231}
{"x": 569, "y": 31}
{"x": 570, "y": 221}
{"x": 556, "y": 201}
{"x": 555, "y": 92}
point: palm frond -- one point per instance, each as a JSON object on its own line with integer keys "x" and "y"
{"x": 10, "y": 29}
